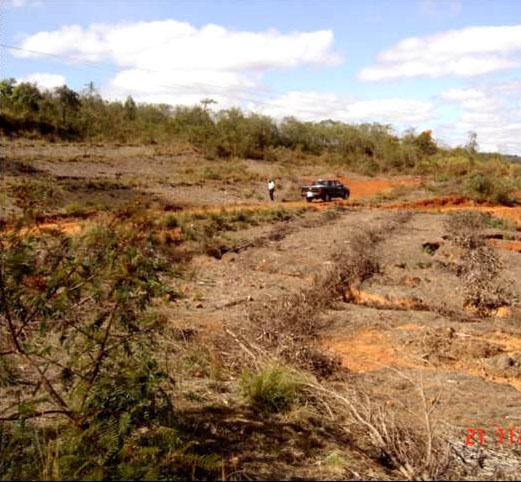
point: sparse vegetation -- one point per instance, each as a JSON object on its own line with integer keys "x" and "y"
{"x": 204, "y": 226}
{"x": 272, "y": 388}
{"x": 230, "y": 134}
{"x": 479, "y": 267}
{"x": 500, "y": 223}
{"x": 126, "y": 353}
{"x": 491, "y": 188}
{"x": 79, "y": 329}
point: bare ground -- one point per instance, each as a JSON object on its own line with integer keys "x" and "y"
{"x": 408, "y": 325}
{"x": 405, "y": 326}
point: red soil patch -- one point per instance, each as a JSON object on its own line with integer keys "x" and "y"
{"x": 377, "y": 301}
{"x": 374, "y": 349}
{"x": 410, "y": 327}
{"x": 366, "y": 188}
{"x": 455, "y": 203}
{"x": 509, "y": 342}
{"x": 360, "y": 189}
{"x": 69, "y": 227}
{"x": 367, "y": 351}
{"x": 508, "y": 245}
{"x": 433, "y": 203}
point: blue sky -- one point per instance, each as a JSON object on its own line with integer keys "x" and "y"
{"x": 447, "y": 65}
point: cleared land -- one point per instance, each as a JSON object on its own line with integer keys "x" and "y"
{"x": 404, "y": 334}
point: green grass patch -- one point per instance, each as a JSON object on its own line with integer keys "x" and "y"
{"x": 273, "y": 388}
{"x": 500, "y": 223}
{"x": 78, "y": 210}
{"x": 199, "y": 226}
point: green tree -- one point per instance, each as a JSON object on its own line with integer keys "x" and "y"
{"x": 6, "y": 88}
{"x": 26, "y": 98}
{"x": 472, "y": 143}
{"x": 426, "y": 143}
{"x": 194, "y": 124}
{"x": 68, "y": 101}
{"x": 130, "y": 108}
{"x": 206, "y": 102}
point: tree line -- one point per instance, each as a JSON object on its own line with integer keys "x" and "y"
{"x": 369, "y": 148}
{"x": 66, "y": 114}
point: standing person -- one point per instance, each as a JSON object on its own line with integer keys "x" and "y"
{"x": 271, "y": 189}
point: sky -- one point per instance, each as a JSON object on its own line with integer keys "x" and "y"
{"x": 451, "y": 66}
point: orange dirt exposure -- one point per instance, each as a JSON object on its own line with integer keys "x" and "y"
{"x": 368, "y": 299}
{"x": 366, "y": 188}
{"x": 509, "y": 342}
{"x": 368, "y": 350}
{"x": 360, "y": 189}
{"x": 375, "y": 349}
{"x": 508, "y": 245}
{"x": 69, "y": 227}
{"x": 456, "y": 203}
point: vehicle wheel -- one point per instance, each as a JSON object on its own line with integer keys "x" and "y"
{"x": 344, "y": 196}
{"x": 309, "y": 199}
{"x": 327, "y": 198}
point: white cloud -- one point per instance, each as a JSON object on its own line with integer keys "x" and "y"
{"x": 180, "y": 46}
{"x": 181, "y": 86}
{"x": 473, "y": 99}
{"x": 504, "y": 137}
{"x": 392, "y": 110}
{"x": 314, "y": 106}
{"x": 467, "y": 52}
{"x": 461, "y": 95}
{"x": 45, "y": 81}
{"x": 492, "y": 111}
{"x": 172, "y": 60}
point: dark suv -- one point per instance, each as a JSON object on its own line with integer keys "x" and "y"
{"x": 325, "y": 189}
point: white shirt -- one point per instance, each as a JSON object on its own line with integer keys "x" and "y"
{"x": 271, "y": 185}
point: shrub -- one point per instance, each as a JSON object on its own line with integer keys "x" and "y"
{"x": 273, "y": 388}
{"x": 77, "y": 210}
{"x": 172, "y": 221}
{"x": 209, "y": 173}
{"x": 34, "y": 196}
{"x": 455, "y": 166}
{"x": 81, "y": 359}
{"x": 464, "y": 228}
{"x": 479, "y": 267}
{"x": 490, "y": 188}
{"x": 81, "y": 332}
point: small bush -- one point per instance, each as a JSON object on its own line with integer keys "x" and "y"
{"x": 272, "y": 389}
{"x": 172, "y": 222}
{"x": 490, "y": 188}
{"x": 209, "y": 173}
{"x": 456, "y": 166}
{"x": 77, "y": 210}
{"x": 330, "y": 215}
{"x": 35, "y": 196}
{"x": 465, "y": 228}
{"x": 479, "y": 267}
